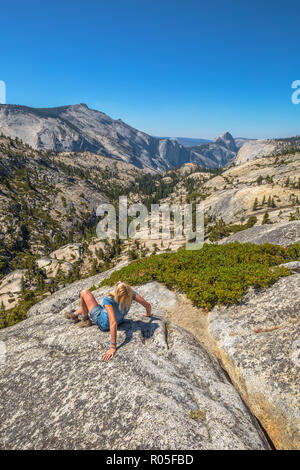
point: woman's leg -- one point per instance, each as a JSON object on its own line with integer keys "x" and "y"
{"x": 87, "y": 302}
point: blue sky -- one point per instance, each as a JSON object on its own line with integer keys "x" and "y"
{"x": 177, "y": 68}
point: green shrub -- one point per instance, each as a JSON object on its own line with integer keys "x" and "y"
{"x": 266, "y": 219}
{"x": 216, "y": 274}
{"x": 295, "y": 215}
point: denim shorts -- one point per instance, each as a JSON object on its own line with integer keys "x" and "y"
{"x": 99, "y": 317}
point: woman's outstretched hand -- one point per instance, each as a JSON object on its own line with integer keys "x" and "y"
{"x": 109, "y": 354}
{"x": 144, "y": 303}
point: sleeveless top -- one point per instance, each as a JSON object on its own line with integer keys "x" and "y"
{"x": 118, "y": 313}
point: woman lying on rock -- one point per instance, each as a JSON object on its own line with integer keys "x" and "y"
{"x": 108, "y": 315}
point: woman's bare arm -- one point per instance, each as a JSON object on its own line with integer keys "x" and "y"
{"x": 113, "y": 333}
{"x": 144, "y": 303}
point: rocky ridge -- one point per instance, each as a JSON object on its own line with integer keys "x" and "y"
{"x": 283, "y": 233}
{"x": 77, "y": 128}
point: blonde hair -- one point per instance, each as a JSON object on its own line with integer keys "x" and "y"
{"x": 122, "y": 294}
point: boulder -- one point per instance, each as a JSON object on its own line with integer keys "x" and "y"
{"x": 162, "y": 390}
{"x": 10, "y": 288}
{"x": 293, "y": 266}
{"x": 70, "y": 253}
{"x": 282, "y": 233}
{"x": 52, "y": 266}
{"x": 258, "y": 344}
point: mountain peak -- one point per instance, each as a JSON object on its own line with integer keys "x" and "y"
{"x": 225, "y": 136}
{"x": 79, "y": 106}
{"x": 227, "y": 141}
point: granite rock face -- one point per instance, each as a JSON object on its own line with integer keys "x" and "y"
{"x": 282, "y": 233}
{"x": 293, "y": 266}
{"x": 51, "y": 266}
{"x": 78, "y": 128}
{"x": 71, "y": 252}
{"x": 258, "y": 344}
{"x": 162, "y": 390}
{"x": 215, "y": 154}
{"x": 10, "y": 288}
{"x": 253, "y": 149}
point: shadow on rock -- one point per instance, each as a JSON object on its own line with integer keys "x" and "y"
{"x": 131, "y": 326}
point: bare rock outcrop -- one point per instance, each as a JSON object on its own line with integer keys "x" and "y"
{"x": 255, "y": 149}
{"x": 282, "y": 233}
{"x": 258, "y": 344}
{"x": 162, "y": 390}
{"x": 52, "y": 266}
{"x": 70, "y": 253}
{"x": 247, "y": 190}
{"x": 10, "y": 288}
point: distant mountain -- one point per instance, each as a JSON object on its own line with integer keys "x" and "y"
{"x": 188, "y": 141}
{"x": 215, "y": 154}
{"x": 193, "y": 142}
{"x": 226, "y": 140}
{"x": 77, "y": 128}
{"x": 212, "y": 153}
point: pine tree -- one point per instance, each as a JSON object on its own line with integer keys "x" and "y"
{"x": 255, "y": 204}
{"x": 40, "y": 282}
{"x": 266, "y": 219}
{"x": 23, "y": 286}
{"x": 94, "y": 268}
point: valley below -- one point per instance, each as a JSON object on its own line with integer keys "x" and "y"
{"x": 217, "y": 366}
